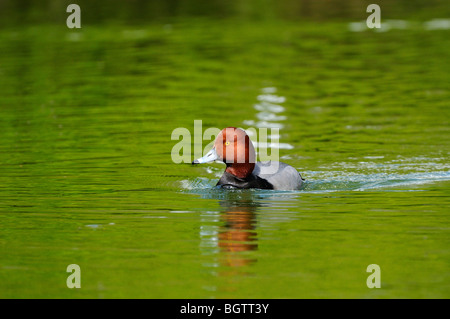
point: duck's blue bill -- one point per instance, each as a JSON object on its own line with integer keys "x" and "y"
{"x": 211, "y": 156}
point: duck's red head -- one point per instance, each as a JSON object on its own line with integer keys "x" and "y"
{"x": 235, "y": 149}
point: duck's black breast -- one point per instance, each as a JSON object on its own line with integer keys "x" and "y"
{"x": 230, "y": 181}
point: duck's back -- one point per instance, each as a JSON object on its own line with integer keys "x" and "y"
{"x": 281, "y": 175}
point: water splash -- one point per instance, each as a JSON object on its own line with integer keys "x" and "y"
{"x": 370, "y": 173}
{"x": 354, "y": 176}
{"x": 364, "y": 182}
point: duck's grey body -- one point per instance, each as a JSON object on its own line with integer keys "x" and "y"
{"x": 281, "y": 175}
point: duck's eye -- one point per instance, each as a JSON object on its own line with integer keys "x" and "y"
{"x": 227, "y": 143}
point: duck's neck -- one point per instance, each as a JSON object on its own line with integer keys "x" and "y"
{"x": 240, "y": 170}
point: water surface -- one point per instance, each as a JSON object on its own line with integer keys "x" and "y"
{"x": 87, "y": 178}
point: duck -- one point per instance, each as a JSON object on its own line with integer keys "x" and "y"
{"x": 233, "y": 147}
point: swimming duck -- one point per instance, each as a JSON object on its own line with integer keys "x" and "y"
{"x": 233, "y": 147}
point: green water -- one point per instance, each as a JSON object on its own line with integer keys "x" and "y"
{"x": 87, "y": 178}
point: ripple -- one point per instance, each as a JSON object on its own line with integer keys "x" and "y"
{"x": 437, "y": 24}
{"x": 362, "y": 182}
{"x": 367, "y": 175}
{"x": 271, "y": 98}
{"x": 268, "y": 107}
{"x": 263, "y": 124}
{"x": 267, "y": 116}
{"x": 198, "y": 183}
{"x": 392, "y": 24}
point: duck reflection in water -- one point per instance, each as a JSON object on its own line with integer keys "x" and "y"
{"x": 238, "y": 233}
